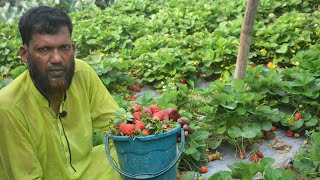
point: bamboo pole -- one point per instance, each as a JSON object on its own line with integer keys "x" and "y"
{"x": 245, "y": 38}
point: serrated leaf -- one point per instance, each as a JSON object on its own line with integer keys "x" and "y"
{"x": 214, "y": 143}
{"x": 234, "y": 132}
{"x": 249, "y": 132}
{"x": 312, "y": 122}
{"x": 283, "y": 48}
{"x": 297, "y": 124}
{"x": 221, "y": 175}
{"x": 188, "y": 176}
{"x": 266, "y": 125}
{"x": 272, "y": 174}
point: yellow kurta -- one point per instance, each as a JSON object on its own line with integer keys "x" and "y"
{"x": 36, "y": 144}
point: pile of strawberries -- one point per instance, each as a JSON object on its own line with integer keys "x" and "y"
{"x": 138, "y": 120}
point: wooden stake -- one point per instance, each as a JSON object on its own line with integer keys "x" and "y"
{"x": 245, "y": 39}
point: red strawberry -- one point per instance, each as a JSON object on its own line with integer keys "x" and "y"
{"x": 253, "y": 65}
{"x": 274, "y": 128}
{"x": 179, "y": 175}
{"x": 289, "y": 133}
{"x": 136, "y": 107}
{"x": 243, "y": 154}
{"x": 182, "y": 80}
{"x": 260, "y": 154}
{"x": 297, "y": 116}
{"x": 139, "y": 125}
{"x": 136, "y": 116}
{"x": 161, "y": 115}
{"x": 133, "y": 98}
{"x": 254, "y": 158}
{"x": 136, "y": 87}
{"x": 146, "y": 132}
{"x": 215, "y": 156}
{"x": 147, "y": 111}
{"x": 266, "y": 134}
{"x": 203, "y": 169}
{"x": 126, "y": 129}
{"x": 154, "y": 108}
{"x": 174, "y": 114}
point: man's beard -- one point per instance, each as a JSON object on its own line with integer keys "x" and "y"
{"x": 42, "y": 82}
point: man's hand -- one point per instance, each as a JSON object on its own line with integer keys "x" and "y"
{"x": 184, "y": 122}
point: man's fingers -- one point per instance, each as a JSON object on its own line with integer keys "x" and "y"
{"x": 183, "y": 121}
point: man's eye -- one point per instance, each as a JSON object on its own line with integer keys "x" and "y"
{"x": 66, "y": 47}
{"x": 44, "y": 49}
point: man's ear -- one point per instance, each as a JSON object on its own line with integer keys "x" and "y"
{"x": 73, "y": 47}
{"x": 24, "y": 53}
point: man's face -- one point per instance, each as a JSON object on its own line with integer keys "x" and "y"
{"x": 50, "y": 60}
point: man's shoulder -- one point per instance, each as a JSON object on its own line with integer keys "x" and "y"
{"x": 81, "y": 65}
{"x": 10, "y": 94}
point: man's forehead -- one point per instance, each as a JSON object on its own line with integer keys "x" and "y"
{"x": 61, "y": 37}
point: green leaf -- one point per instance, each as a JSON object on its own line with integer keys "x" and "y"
{"x": 146, "y": 98}
{"x": 272, "y": 174}
{"x": 266, "y": 125}
{"x": 283, "y": 48}
{"x": 234, "y": 132}
{"x": 315, "y": 148}
{"x": 221, "y": 175}
{"x": 249, "y": 132}
{"x": 189, "y": 176}
{"x": 297, "y": 124}
{"x": 214, "y": 143}
{"x": 312, "y": 122}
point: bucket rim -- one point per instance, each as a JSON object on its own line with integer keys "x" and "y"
{"x": 149, "y": 137}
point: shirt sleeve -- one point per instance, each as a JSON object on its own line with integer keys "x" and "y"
{"x": 17, "y": 151}
{"x": 102, "y": 104}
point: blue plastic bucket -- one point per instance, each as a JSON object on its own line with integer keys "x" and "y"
{"x": 147, "y": 157}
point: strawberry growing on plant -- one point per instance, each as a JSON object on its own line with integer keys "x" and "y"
{"x": 254, "y": 157}
{"x": 297, "y": 116}
{"x": 203, "y": 169}
{"x": 183, "y": 80}
{"x": 260, "y": 154}
{"x": 242, "y": 154}
{"x": 289, "y": 133}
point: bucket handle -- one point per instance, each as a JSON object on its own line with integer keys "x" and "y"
{"x": 145, "y": 175}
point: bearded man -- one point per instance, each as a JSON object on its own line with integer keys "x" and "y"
{"x": 49, "y": 112}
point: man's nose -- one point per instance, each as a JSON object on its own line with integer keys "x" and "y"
{"x": 55, "y": 57}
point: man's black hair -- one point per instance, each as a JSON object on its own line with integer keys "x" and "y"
{"x": 43, "y": 20}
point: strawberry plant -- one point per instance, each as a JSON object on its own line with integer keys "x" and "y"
{"x": 307, "y": 161}
{"x": 248, "y": 170}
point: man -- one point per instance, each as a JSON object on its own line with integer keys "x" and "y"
{"x": 48, "y": 113}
